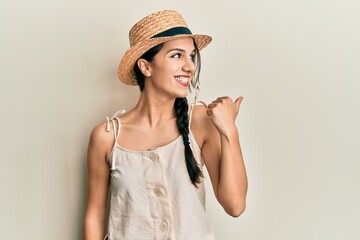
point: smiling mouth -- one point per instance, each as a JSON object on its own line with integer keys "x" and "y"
{"x": 184, "y": 81}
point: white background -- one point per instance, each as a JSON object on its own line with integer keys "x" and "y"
{"x": 295, "y": 62}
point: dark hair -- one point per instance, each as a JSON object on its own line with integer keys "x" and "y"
{"x": 181, "y": 110}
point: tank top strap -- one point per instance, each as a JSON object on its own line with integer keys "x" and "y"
{"x": 191, "y": 108}
{"x": 116, "y": 130}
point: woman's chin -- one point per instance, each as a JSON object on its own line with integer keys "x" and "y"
{"x": 183, "y": 94}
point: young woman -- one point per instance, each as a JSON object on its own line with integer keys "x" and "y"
{"x": 151, "y": 158}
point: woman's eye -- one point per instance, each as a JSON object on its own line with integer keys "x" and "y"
{"x": 177, "y": 55}
{"x": 192, "y": 57}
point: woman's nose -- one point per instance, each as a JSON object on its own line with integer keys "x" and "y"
{"x": 189, "y": 65}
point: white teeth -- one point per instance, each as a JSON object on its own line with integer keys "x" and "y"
{"x": 182, "y": 79}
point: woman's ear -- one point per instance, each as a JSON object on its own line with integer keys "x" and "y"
{"x": 144, "y": 67}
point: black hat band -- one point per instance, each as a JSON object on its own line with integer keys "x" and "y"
{"x": 173, "y": 32}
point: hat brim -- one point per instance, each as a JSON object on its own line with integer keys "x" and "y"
{"x": 126, "y": 67}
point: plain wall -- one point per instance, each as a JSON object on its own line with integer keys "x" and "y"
{"x": 295, "y": 62}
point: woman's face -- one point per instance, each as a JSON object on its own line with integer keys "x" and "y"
{"x": 173, "y": 67}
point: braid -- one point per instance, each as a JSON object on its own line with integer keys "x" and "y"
{"x": 181, "y": 110}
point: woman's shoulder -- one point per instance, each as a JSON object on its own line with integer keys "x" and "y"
{"x": 102, "y": 137}
{"x": 199, "y": 116}
{"x": 99, "y": 133}
{"x": 198, "y": 113}
{"x": 104, "y": 134}
{"x": 201, "y": 124}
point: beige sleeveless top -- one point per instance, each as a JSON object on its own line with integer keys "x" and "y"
{"x": 152, "y": 196}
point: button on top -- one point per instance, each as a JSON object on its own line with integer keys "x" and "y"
{"x": 163, "y": 226}
{"x": 154, "y": 156}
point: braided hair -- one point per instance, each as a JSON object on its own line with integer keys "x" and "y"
{"x": 181, "y": 111}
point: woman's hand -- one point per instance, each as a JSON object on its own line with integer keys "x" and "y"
{"x": 223, "y": 112}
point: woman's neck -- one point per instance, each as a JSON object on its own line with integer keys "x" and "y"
{"x": 152, "y": 110}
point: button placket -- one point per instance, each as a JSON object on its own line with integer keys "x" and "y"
{"x": 161, "y": 205}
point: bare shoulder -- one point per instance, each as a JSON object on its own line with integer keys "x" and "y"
{"x": 201, "y": 125}
{"x": 100, "y": 136}
{"x": 199, "y": 114}
{"x": 101, "y": 140}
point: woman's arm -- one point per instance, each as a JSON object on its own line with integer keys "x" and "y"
{"x": 98, "y": 182}
{"x": 222, "y": 155}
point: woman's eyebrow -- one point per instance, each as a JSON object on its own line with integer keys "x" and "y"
{"x": 179, "y": 49}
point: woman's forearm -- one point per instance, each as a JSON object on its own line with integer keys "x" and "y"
{"x": 232, "y": 186}
{"x": 93, "y": 227}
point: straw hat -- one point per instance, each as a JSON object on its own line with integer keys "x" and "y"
{"x": 152, "y": 30}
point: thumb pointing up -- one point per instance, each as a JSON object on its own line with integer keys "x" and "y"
{"x": 237, "y": 103}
